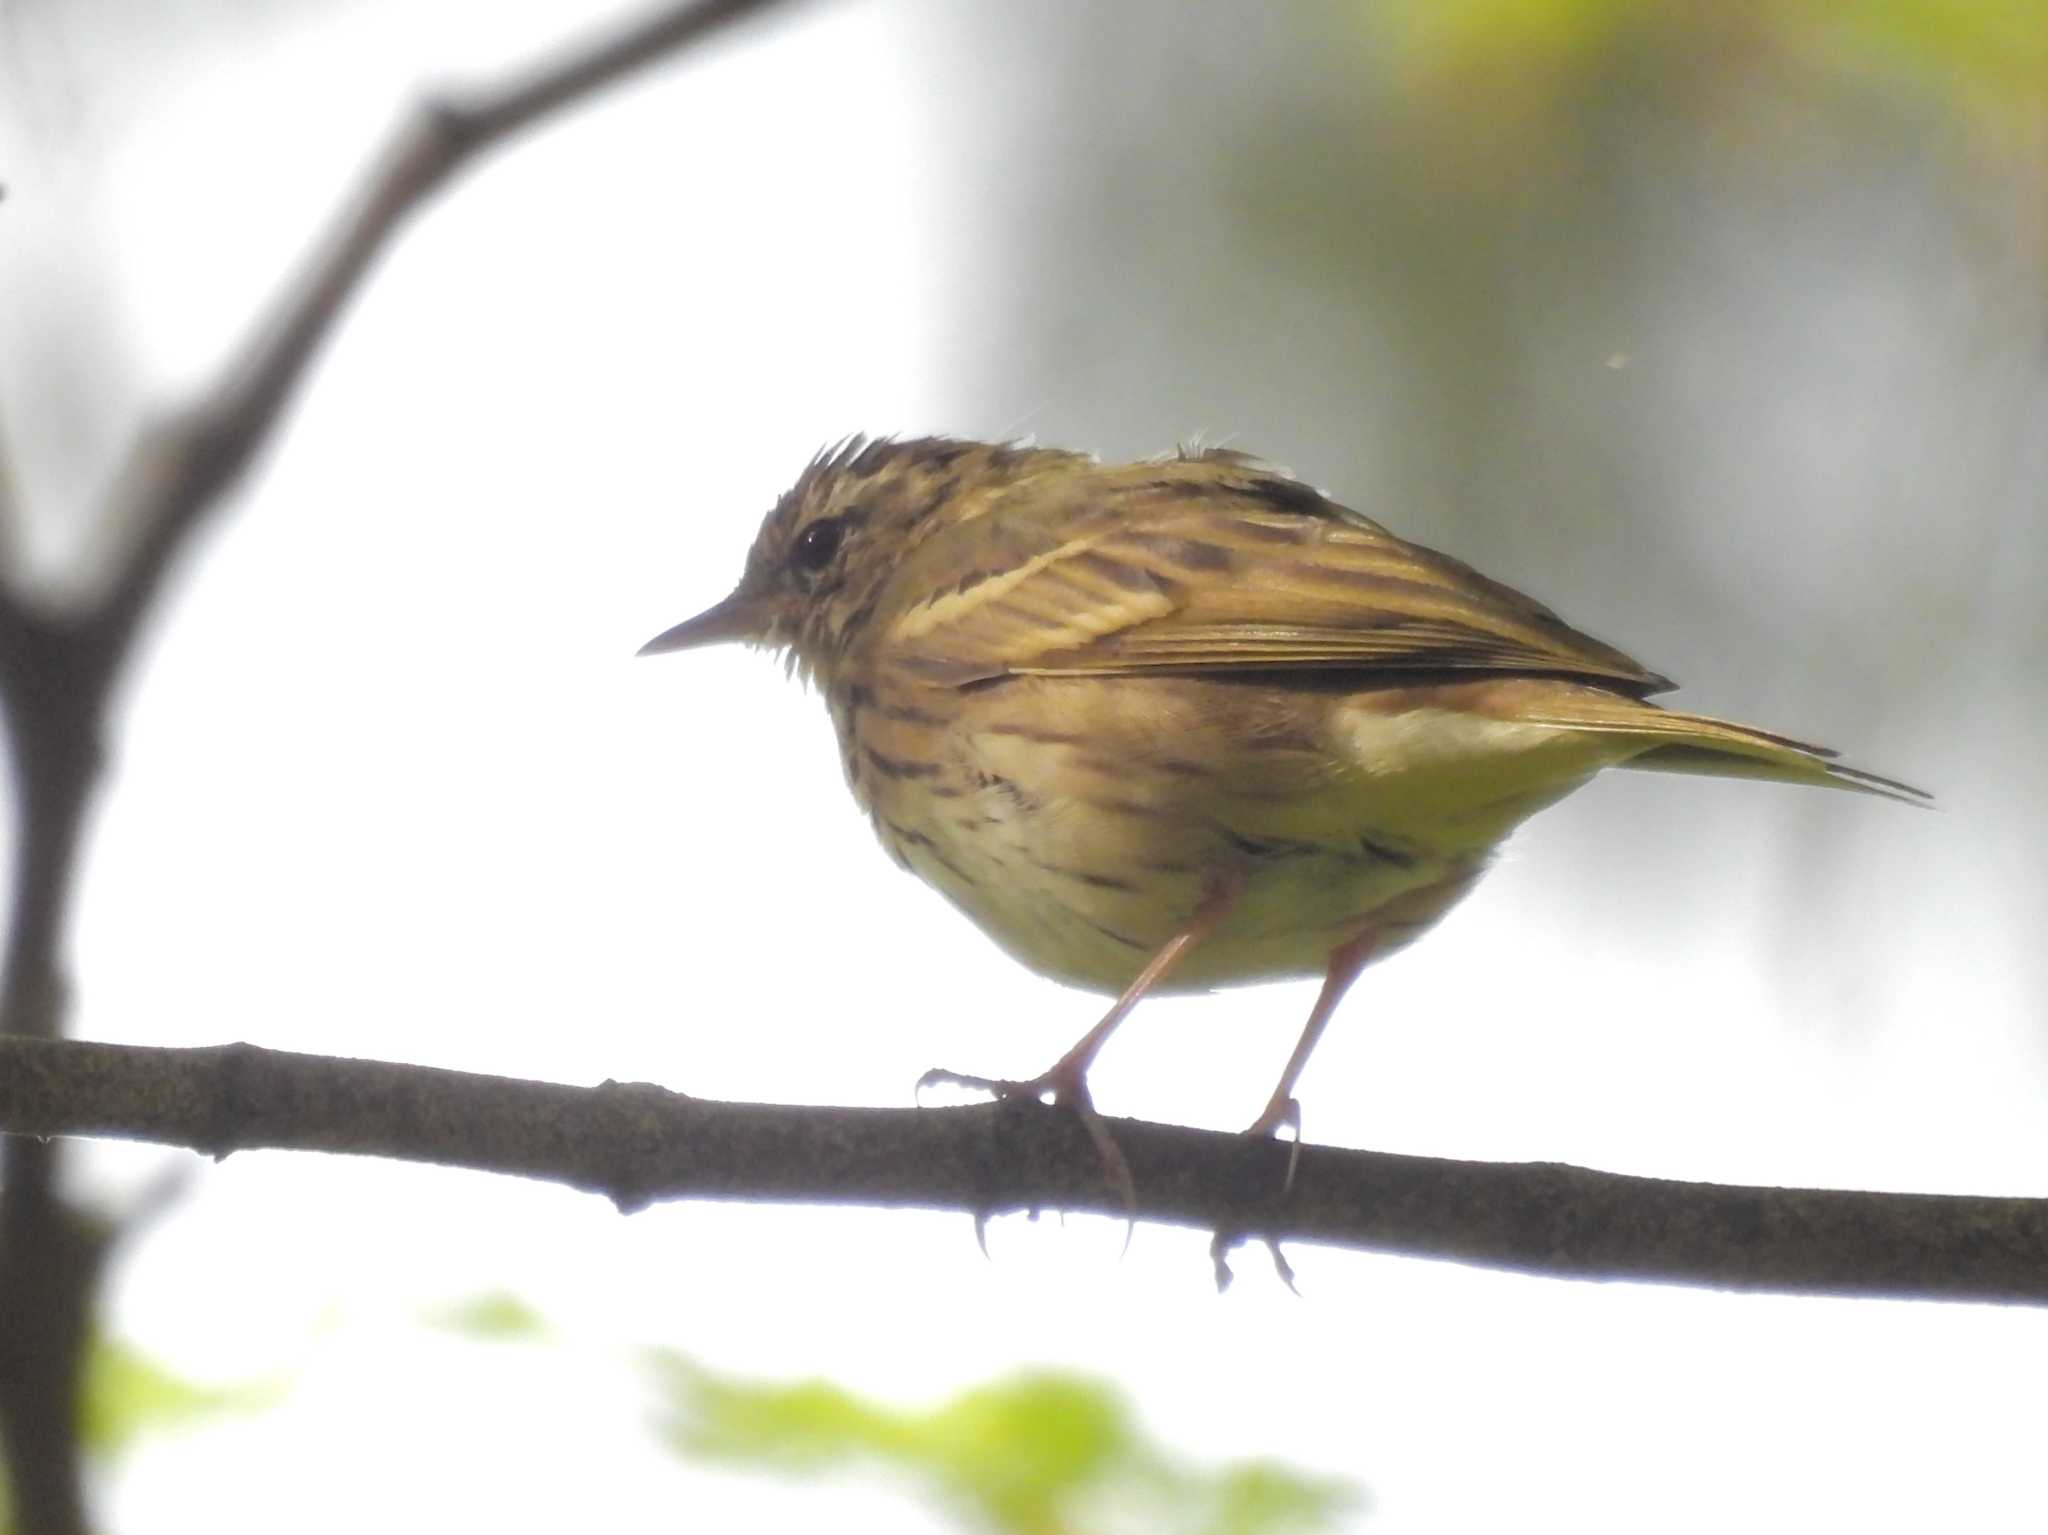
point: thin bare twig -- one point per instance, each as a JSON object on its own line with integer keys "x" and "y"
{"x": 13, "y": 536}
{"x": 59, "y": 668}
{"x": 183, "y": 466}
{"x": 637, "y": 1143}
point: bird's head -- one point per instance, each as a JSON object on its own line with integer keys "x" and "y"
{"x": 856, "y": 514}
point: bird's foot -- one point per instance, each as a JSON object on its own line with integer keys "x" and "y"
{"x": 1219, "y": 1254}
{"x": 1067, "y": 1088}
{"x": 1038, "y": 1088}
{"x": 1283, "y": 1111}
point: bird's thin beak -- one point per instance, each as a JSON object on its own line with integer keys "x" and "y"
{"x": 737, "y": 618}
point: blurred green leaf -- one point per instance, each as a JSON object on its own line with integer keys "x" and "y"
{"x": 1984, "y": 56}
{"x": 128, "y": 1394}
{"x": 1539, "y": 35}
{"x": 1020, "y": 1449}
{"x": 1260, "y": 1495}
{"x": 1989, "y": 55}
{"x": 1035, "y": 1454}
{"x": 496, "y": 1316}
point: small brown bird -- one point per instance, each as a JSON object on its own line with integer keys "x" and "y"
{"x": 1178, "y": 724}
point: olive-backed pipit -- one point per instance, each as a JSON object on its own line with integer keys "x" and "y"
{"x": 1177, "y": 724}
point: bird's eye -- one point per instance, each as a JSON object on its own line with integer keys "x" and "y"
{"x": 816, "y": 545}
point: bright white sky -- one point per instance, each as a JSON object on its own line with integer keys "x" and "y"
{"x": 392, "y": 785}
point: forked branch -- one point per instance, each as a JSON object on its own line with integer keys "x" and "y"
{"x": 61, "y": 660}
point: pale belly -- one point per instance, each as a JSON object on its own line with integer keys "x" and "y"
{"x": 1080, "y": 829}
{"x": 1294, "y": 905}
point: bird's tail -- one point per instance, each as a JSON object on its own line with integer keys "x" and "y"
{"x": 1671, "y": 742}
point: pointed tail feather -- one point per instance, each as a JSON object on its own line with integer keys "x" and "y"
{"x": 1813, "y": 768}
{"x": 1693, "y": 743}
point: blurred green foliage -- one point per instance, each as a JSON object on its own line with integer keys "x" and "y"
{"x": 1037, "y": 1454}
{"x": 1985, "y": 56}
{"x": 128, "y": 1394}
{"x": 491, "y": 1317}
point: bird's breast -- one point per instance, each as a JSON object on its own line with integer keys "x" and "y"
{"x": 1079, "y": 821}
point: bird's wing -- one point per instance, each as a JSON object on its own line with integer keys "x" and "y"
{"x": 1212, "y": 568}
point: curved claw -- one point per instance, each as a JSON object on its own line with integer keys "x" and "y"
{"x": 1282, "y": 1112}
{"x": 1114, "y": 1165}
{"x": 1219, "y": 1254}
{"x": 1280, "y": 1264}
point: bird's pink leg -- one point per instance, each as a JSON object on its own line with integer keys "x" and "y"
{"x": 1068, "y": 1075}
{"x": 1346, "y": 960}
{"x": 1067, "y": 1078}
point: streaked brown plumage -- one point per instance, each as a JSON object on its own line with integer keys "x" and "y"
{"x": 1187, "y": 712}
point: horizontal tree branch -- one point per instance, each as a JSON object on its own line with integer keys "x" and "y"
{"x": 637, "y": 1143}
